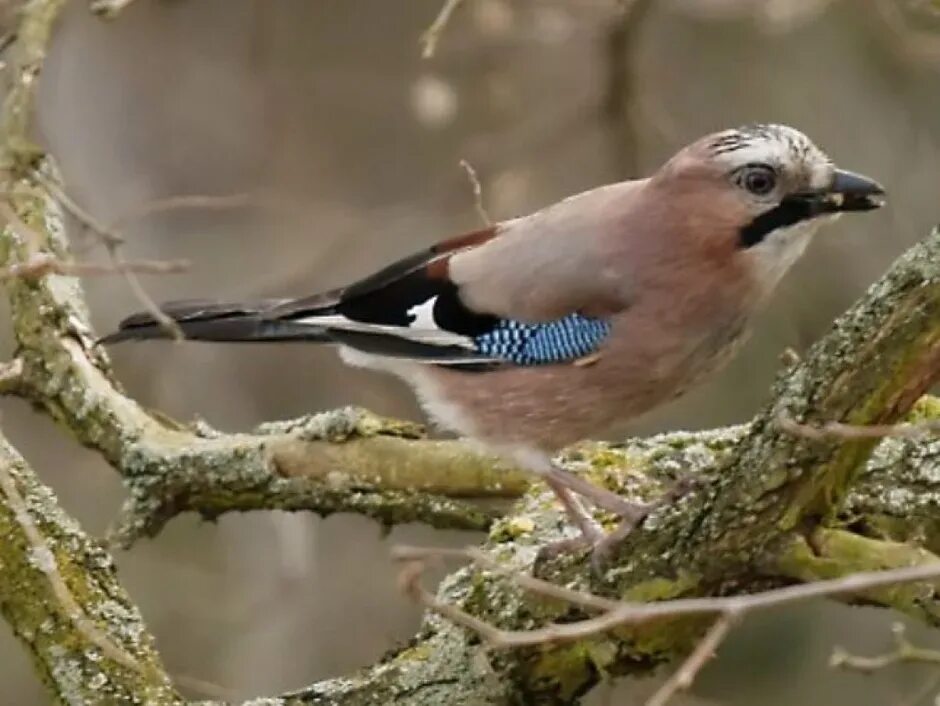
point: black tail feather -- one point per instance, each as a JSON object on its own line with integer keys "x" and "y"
{"x": 201, "y": 320}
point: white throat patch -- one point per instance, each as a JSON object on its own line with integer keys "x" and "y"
{"x": 781, "y": 248}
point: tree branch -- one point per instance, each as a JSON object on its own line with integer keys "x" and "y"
{"x": 60, "y": 594}
{"x": 774, "y": 508}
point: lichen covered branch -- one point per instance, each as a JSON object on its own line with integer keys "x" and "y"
{"x": 59, "y": 592}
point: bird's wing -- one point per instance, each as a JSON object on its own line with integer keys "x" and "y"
{"x": 525, "y": 292}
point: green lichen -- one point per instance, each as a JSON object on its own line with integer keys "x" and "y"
{"x": 926, "y": 409}
{"x": 661, "y": 589}
{"x": 562, "y": 672}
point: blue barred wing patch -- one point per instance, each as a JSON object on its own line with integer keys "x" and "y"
{"x": 568, "y": 338}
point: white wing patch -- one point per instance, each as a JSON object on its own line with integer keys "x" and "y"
{"x": 424, "y": 315}
{"x": 422, "y": 330}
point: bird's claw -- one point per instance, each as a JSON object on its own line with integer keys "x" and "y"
{"x": 594, "y": 538}
{"x": 602, "y": 544}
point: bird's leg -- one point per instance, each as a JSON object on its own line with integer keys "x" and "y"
{"x": 567, "y": 487}
{"x": 601, "y": 497}
{"x": 591, "y": 531}
{"x": 603, "y": 547}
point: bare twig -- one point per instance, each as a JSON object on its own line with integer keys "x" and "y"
{"x": 477, "y": 192}
{"x": 530, "y": 583}
{"x": 111, "y": 240}
{"x": 730, "y": 609}
{"x": 904, "y": 651}
{"x": 432, "y": 34}
{"x": 204, "y": 687}
{"x": 633, "y": 613}
{"x": 168, "y": 324}
{"x": 683, "y": 677}
{"x": 39, "y": 263}
{"x": 841, "y": 430}
{"x": 109, "y": 236}
{"x": 181, "y": 202}
{"x": 109, "y": 8}
{"x": 44, "y": 264}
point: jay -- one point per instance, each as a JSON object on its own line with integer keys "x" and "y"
{"x": 543, "y": 330}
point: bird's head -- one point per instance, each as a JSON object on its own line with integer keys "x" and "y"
{"x": 760, "y": 191}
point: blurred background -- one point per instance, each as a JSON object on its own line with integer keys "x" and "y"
{"x": 345, "y": 146}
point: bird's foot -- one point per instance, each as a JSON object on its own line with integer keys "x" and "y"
{"x": 592, "y": 535}
{"x": 604, "y": 547}
{"x": 595, "y": 494}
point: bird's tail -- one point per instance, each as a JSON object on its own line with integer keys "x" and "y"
{"x": 201, "y": 320}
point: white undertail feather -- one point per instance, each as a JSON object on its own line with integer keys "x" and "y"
{"x": 447, "y": 415}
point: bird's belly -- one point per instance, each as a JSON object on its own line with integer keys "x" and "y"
{"x": 554, "y": 406}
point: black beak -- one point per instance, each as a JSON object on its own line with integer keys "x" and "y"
{"x": 846, "y": 192}
{"x": 853, "y": 192}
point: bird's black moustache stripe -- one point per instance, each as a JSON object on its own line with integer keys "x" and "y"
{"x": 789, "y": 212}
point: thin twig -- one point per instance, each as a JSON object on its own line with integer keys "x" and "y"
{"x": 133, "y": 281}
{"x": 477, "y": 192}
{"x": 181, "y": 202}
{"x": 635, "y": 613}
{"x": 109, "y": 236}
{"x": 904, "y": 651}
{"x": 729, "y": 609}
{"x": 530, "y": 583}
{"x": 112, "y": 240}
{"x": 432, "y": 34}
{"x": 204, "y": 687}
{"x": 44, "y": 264}
{"x": 39, "y": 263}
{"x": 685, "y": 675}
{"x": 841, "y": 430}
{"x": 109, "y": 8}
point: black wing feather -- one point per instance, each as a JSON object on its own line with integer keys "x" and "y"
{"x": 386, "y": 297}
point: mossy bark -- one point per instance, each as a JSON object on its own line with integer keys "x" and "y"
{"x": 76, "y": 668}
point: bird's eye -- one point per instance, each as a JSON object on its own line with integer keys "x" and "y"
{"x": 760, "y": 180}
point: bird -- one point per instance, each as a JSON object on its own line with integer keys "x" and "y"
{"x": 541, "y": 331}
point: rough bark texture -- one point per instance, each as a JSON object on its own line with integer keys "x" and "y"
{"x": 76, "y": 669}
{"x": 771, "y": 507}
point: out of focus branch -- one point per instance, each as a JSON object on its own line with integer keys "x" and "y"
{"x": 432, "y": 34}
{"x": 109, "y": 8}
{"x": 904, "y": 651}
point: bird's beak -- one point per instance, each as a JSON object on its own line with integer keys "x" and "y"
{"x": 846, "y": 191}
{"x": 852, "y": 192}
